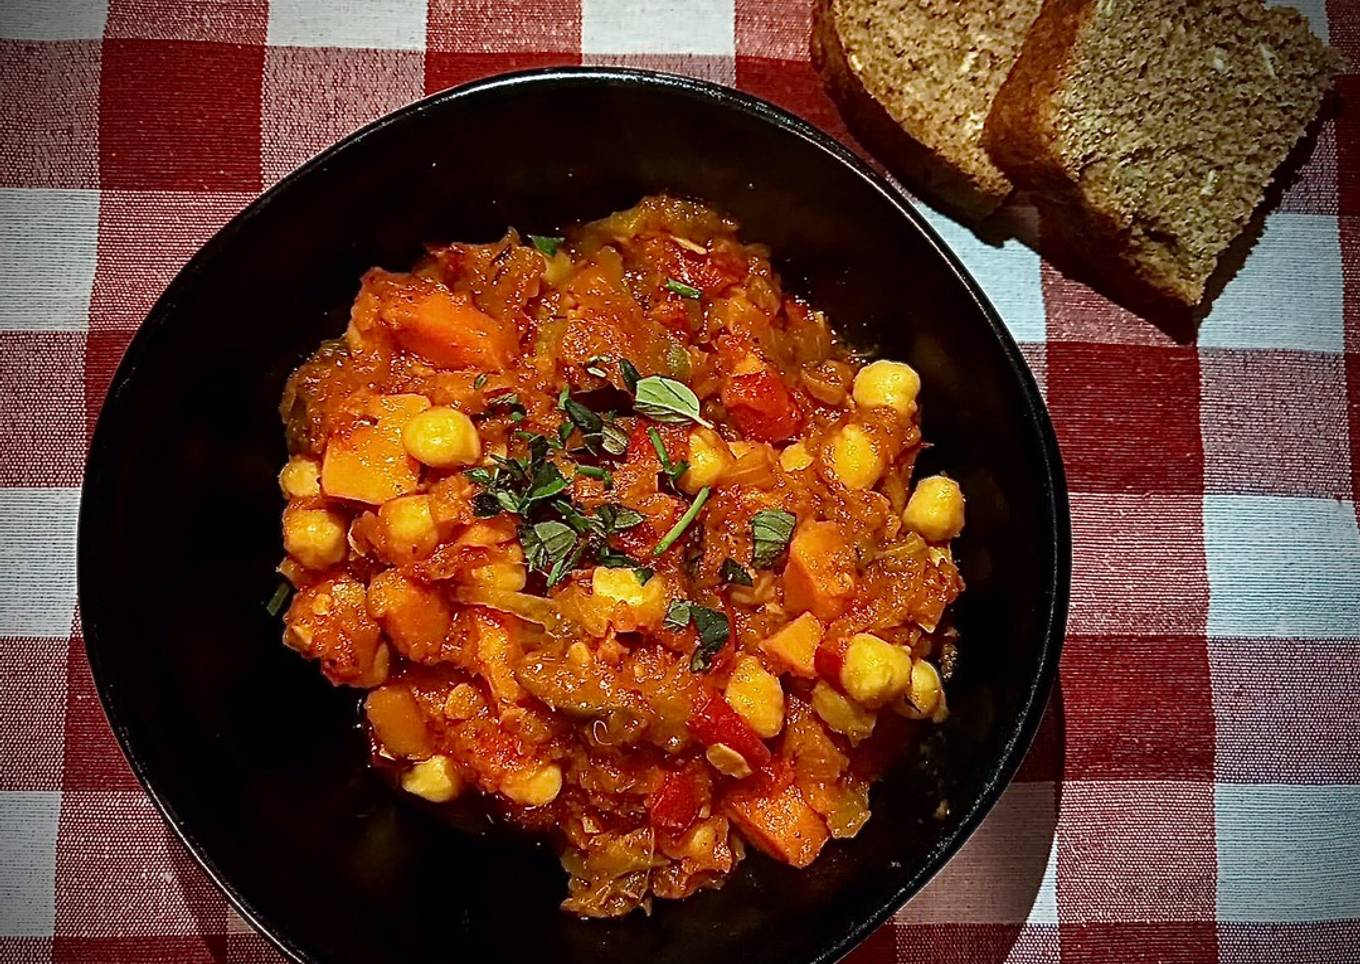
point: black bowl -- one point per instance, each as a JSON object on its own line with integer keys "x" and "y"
{"x": 258, "y": 764}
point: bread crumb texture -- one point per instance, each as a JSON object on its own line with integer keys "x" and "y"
{"x": 934, "y": 66}
{"x": 1171, "y": 118}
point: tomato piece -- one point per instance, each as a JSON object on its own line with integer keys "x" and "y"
{"x": 762, "y": 406}
{"x": 676, "y": 805}
{"x": 829, "y": 660}
{"x": 717, "y": 722}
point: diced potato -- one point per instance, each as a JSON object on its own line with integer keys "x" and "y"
{"x": 855, "y": 460}
{"x": 409, "y": 526}
{"x": 795, "y": 458}
{"x": 794, "y": 645}
{"x": 820, "y": 575}
{"x": 708, "y": 457}
{"x": 841, "y": 714}
{"x": 398, "y": 723}
{"x": 756, "y": 696}
{"x": 888, "y": 384}
{"x": 780, "y": 822}
{"x": 728, "y": 761}
{"x": 935, "y": 508}
{"x": 875, "y": 672}
{"x": 434, "y": 779}
{"x": 314, "y": 537}
{"x": 631, "y": 604}
{"x": 534, "y": 787}
{"x": 443, "y": 438}
{"x": 368, "y": 463}
{"x": 300, "y": 478}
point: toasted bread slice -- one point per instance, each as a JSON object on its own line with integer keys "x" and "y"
{"x": 915, "y": 79}
{"x": 1150, "y": 129}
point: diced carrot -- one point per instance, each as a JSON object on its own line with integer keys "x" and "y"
{"x": 762, "y": 406}
{"x": 820, "y": 575}
{"x": 772, "y": 814}
{"x": 442, "y": 326}
{"x": 398, "y": 722}
{"x": 717, "y": 722}
{"x": 367, "y": 462}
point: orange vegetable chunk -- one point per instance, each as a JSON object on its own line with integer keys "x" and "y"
{"x": 773, "y": 816}
{"x": 397, "y": 721}
{"x": 367, "y": 462}
{"x": 820, "y": 575}
{"x": 443, "y": 326}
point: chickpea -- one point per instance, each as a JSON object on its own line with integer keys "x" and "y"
{"x": 434, "y": 779}
{"x": 442, "y": 438}
{"x": 534, "y": 788}
{"x": 840, "y": 714}
{"x": 854, "y": 458}
{"x": 410, "y": 527}
{"x": 756, "y": 696}
{"x": 875, "y": 672}
{"x": 924, "y": 699}
{"x": 300, "y": 478}
{"x": 935, "y": 509}
{"x": 887, "y": 384}
{"x": 314, "y": 537}
{"x": 709, "y": 457}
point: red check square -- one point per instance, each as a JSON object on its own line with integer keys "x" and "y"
{"x": 1138, "y": 708}
{"x": 795, "y": 86}
{"x": 180, "y": 116}
{"x": 1161, "y": 942}
{"x": 138, "y": 950}
{"x": 93, "y": 760}
{"x": 1076, "y": 312}
{"x": 122, "y": 873}
{"x": 505, "y": 27}
{"x": 1130, "y": 851}
{"x": 1127, "y": 417}
{"x": 773, "y": 31}
{"x": 43, "y": 395}
{"x": 969, "y": 944}
{"x": 33, "y": 672}
{"x": 1275, "y": 422}
{"x": 49, "y": 114}
{"x": 1138, "y": 562}
{"x": 223, "y": 21}
{"x": 314, "y": 96}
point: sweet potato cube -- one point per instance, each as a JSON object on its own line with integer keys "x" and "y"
{"x": 398, "y": 723}
{"x": 794, "y": 646}
{"x": 444, "y": 327}
{"x": 777, "y": 821}
{"x": 368, "y": 463}
{"x": 820, "y": 575}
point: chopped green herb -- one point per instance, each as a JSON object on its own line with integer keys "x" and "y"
{"x": 621, "y": 517}
{"x": 595, "y": 472}
{"x": 677, "y": 615}
{"x": 683, "y": 290}
{"x": 679, "y": 528}
{"x": 734, "y": 573}
{"x": 546, "y": 244}
{"x": 666, "y": 400}
{"x": 479, "y": 382}
{"x": 546, "y": 543}
{"x": 548, "y": 481}
{"x": 582, "y": 417}
{"x": 644, "y": 575}
{"x": 613, "y": 439}
{"x": 279, "y": 599}
{"x": 508, "y": 401}
{"x": 771, "y": 530}
{"x": 564, "y": 433}
{"x": 630, "y": 374}
{"x": 713, "y": 633}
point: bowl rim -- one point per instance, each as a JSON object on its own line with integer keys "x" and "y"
{"x": 1050, "y": 467}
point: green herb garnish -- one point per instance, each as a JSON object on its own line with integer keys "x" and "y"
{"x": 508, "y": 401}
{"x": 479, "y": 382}
{"x": 735, "y": 574}
{"x": 713, "y": 633}
{"x": 279, "y": 599}
{"x": 683, "y": 290}
{"x": 679, "y": 528}
{"x": 672, "y": 470}
{"x": 677, "y": 615}
{"x": 771, "y": 530}
{"x": 666, "y": 400}
{"x": 546, "y": 244}
{"x": 644, "y": 575}
{"x": 595, "y": 472}
{"x": 630, "y": 374}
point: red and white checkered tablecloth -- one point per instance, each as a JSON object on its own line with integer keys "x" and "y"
{"x": 1194, "y": 795}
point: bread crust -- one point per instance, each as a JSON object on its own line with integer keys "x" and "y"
{"x": 921, "y": 166}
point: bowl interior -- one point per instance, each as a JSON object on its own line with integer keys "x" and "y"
{"x": 260, "y": 763}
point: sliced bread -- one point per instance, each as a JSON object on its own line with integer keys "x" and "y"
{"x": 1149, "y": 130}
{"x": 915, "y": 80}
